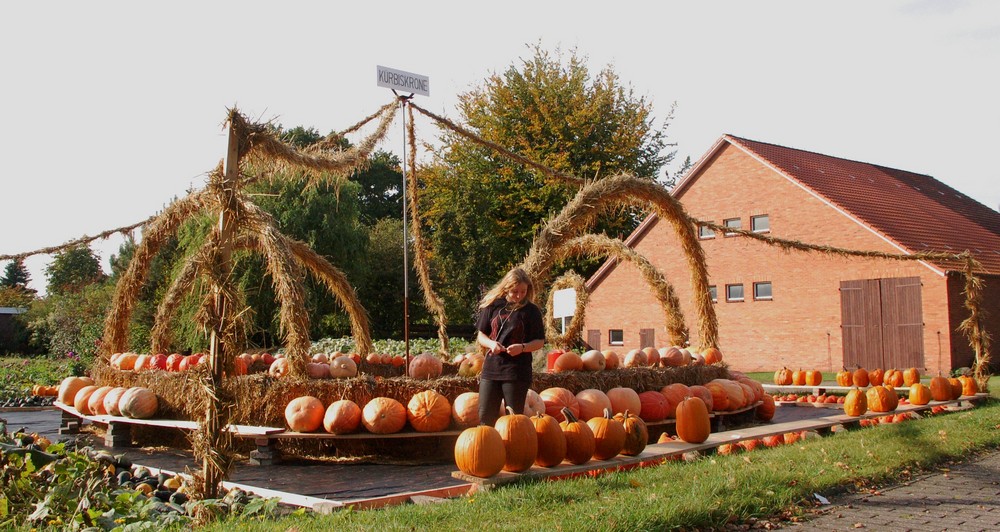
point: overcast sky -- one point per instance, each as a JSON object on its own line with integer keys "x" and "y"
{"x": 111, "y": 109}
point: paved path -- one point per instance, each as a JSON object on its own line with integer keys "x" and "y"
{"x": 962, "y": 497}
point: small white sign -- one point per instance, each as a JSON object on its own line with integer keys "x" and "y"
{"x": 391, "y": 78}
{"x": 564, "y": 303}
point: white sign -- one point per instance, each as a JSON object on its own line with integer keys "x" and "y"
{"x": 563, "y": 303}
{"x": 391, "y": 78}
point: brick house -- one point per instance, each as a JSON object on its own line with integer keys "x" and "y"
{"x": 810, "y": 310}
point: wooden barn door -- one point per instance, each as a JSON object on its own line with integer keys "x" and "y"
{"x": 882, "y": 323}
{"x": 594, "y": 339}
{"x": 647, "y": 338}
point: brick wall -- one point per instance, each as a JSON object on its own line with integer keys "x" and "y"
{"x": 800, "y": 326}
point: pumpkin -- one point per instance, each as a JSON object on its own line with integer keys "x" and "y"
{"x": 956, "y": 387}
{"x": 174, "y": 362}
{"x": 652, "y": 356}
{"x": 720, "y": 399}
{"x": 636, "y": 433}
{"x": 343, "y": 367}
{"x": 471, "y": 366}
{"x": 533, "y": 404}
{"x": 969, "y": 386}
{"x": 305, "y": 414}
{"x": 140, "y": 363}
{"x": 558, "y": 398}
{"x": 673, "y": 357}
{"x": 704, "y": 394}
{"x": 765, "y": 410}
{"x": 799, "y": 377}
{"x": 844, "y": 378}
{"x": 579, "y": 438}
{"x": 895, "y": 380}
{"x": 428, "y": 411}
{"x": 919, "y": 394}
{"x": 712, "y": 355}
{"x": 425, "y": 366}
{"x": 68, "y": 388}
{"x": 568, "y": 361}
{"x": 860, "y": 377}
{"x": 697, "y": 359}
{"x": 727, "y": 449}
{"x": 126, "y": 362}
{"x": 593, "y": 403}
{"x": 480, "y": 451}
{"x": 96, "y": 402}
{"x": 856, "y": 403}
{"x": 783, "y": 377}
{"x": 734, "y": 393}
{"x": 693, "y": 425}
{"x": 551, "y": 441}
{"x": 653, "y": 406}
{"x": 609, "y": 436}
{"x": 81, "y": 401}
{"x": 465, "y": 409}
{"x": 110, "y": 403}
{"x": 279, "y": 368}
{"x": 318, "y": 370}
{"x": 520, "y": 441}
{"x": 634, "y": 359}
{"x": 383, "y": 415}
{"x": 593, "y": 360}
{"x": 749, "y": 396}
{"x": 881, "y": 399}
{"x": 611, "y": 359}
{"x": 623, "y": 399}
{"x": 875, "y": 377}
{"x": 674, "y": 394}
{"x": 342, "y": 417}
{"x": 911, "y": 376}
{"x": 138, "y": 403}
{"x": 814, "y": 377}
{"x": 940, "y": 389}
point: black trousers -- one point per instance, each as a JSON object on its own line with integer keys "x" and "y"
{"x": 492, "y": 392}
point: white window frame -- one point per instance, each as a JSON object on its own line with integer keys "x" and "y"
{"x": 733, "y": 299}
{"x": 726, "y": 223}
{"x": 763, "y": 298}
{"x": 703, "y": 236}
{"x": 611, "y": 338}
{"x": 756, "y": 217}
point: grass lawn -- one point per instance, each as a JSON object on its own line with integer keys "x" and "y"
{"x": 707, "y": 493}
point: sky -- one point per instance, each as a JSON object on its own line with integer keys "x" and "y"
{"x": 112, "y": 109}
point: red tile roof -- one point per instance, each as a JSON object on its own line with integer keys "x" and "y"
{"x": 917, "y": 212}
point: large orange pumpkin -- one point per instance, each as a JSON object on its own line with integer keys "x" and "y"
{"x": 799, "y": 377}
{"x": 911, "y": 376}
{"x": 765, "y": 411}
{"x": 693, "y": 425}
{"x": 875, "y": 377}
{"x": 579, "y": 438}
{"x": 623, "y": 399}
{"x": 558, "y": 398}
{"x": 425, "y": 366}
{"x": 305, "y": 414}
{"x": 844, "y": 378}
{"x": 634, "y": 359}
{"x": 882, "y": 399}
{"x": 342, "y": 417}
{"x": 279, "y": 368}
{"x": 383, "y": 415}
{"x": 712, "y": 355}
{"x": 856, "y": 403}
{"x": 653, "y": 406}
{"x": 568, "y": 361}
{"x": 110, "y": 405}
{"x": 343, "y": 367}
{"x": 82, "y": 400}
{"x": 919, "y": 394}
{"x": 860, "y": 377}
{"x": 428, "y": 411}
{"x": 609, "y": 436}
{"x": 674, "y": 394}
{"x": 594, "y": 360}
{"x": 520, "y": 441}
{"x": 592, "y": 403}
{"x": 720, "y": 399}
{"x": 480, "y": 451}
{"x": 956, "y": 387}
{"x": 68, "y": 388}
{"x": 940, "y": 389}
{"x": 704, "y": 394}
{"x": 138, "y": 403}
{"x": 551, "y": 440}
{"x": 465, "y": 409}
{"x": 471, "y": 366}
{"x": 636, "y": 433}
{"x": 893, "y": 377}
{"x": 611, "y": 359}
{"x": 814, "y": 377}
{"x": 673, "y": 357}
{"x": 96, "y": 402}
{"x": 652, "y": 356}
{"x": 969, "y": 386}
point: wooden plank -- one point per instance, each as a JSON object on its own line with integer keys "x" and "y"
{"x": 820, "y": 389}
{"x": 246, "y": 431}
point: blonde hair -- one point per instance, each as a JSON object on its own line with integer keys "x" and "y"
{"x": 513, "y": 278}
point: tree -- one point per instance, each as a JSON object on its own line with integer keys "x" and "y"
{"x": 72, "y": 269}
{"x": 15, "y": 275}
{"x": 483, "y": 210}
{"x": 381, "y": 188}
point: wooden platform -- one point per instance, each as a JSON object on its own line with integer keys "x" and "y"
{"x": 243, "y": 431}
{"x": 821, "y": 389}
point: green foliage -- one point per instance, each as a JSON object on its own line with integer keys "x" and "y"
{"x": 382, "y": 289}
{"x": 15, "y": 275}
{"x": 381, "y": 188}
{"x": 70, "y": 322}
{"x": 483, "y": 210}
{"x": 72, "y": 270}
{"x": 17, "y": 375}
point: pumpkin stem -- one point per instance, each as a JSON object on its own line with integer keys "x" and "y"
{"x": 510, "y": 411}
{"x": 607, "y": 413}
{"x": 569, "y": 415}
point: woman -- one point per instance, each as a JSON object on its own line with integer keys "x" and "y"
{"x": 510, "y": 328}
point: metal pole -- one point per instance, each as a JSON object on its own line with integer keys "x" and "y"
{"x": 406, "y": 260}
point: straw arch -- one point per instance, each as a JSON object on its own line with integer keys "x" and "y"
{"x": 593, "y": 199}
{"x": 572, "y": 280}
{"x": 598, "y": 245}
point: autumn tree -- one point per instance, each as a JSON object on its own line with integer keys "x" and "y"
{"x": 482, "y": 210}
{"x": 73, "y": 269}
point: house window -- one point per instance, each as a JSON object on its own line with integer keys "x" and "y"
{"x": 760, "y": 223}
{"x": 713, "y": 293}
{"x": 705, "y": 232}
{"x": 734, "y": 223}
{"x": 734, "y": 292}
{"x": 616, "y": 337}
{"x": 762, "y": 291}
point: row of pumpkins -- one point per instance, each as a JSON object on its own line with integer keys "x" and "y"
{"x": 879, "y": 398}
{"x": 860, "y": 377}
{"x": 89, "y": 399}
{"x": 594, "y": 360}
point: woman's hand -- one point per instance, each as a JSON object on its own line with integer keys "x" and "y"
{"x": 515, "y": 349}
{"x": 496, "y": 348}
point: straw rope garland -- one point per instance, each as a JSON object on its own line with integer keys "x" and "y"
{"x": 124, "y": 231}
{"x": 569, "y": 279}
{"x": 431, "y": 299}
{"x": 599, "y": 245}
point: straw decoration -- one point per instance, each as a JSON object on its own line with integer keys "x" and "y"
{"x": 569, "y": 279}
{"x": 126, "y": 230}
